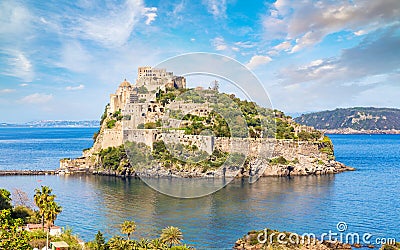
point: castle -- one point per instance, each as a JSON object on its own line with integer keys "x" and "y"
{"x": 136, "y": 114}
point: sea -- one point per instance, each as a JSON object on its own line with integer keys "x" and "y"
{"x": 365, "y": 202}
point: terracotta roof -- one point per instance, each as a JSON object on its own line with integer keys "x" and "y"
{"x": 39, "y": 226}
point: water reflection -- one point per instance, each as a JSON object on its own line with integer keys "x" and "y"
{"x": 94, "y": 203}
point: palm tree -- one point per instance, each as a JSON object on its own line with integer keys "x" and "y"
{"x": 42, "y": 197}
{"x": 128, "y": 227}
{"x": 51, "y": 210}
{"x": 171, "y": 235}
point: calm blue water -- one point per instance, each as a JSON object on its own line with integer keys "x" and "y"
{"x": 366, "y": 199}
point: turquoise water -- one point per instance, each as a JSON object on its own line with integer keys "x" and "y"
{"x": 366, "y": 199}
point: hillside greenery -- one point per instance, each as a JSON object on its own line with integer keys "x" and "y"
{"x": 234, "y": 117}
{"x": 358, "y": 118}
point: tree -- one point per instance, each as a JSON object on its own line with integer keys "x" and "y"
{"x": 171, "y": 235}
{"x": 41, "y": 198}
{"x": 48, "y": 208}
{"x": 118, "y": 243}
{"x": 128, "y": 227}
{"x": 51, "y": 210}
{"x": 11, "y": 237}
{"x": 5, "y": 200}
{"x": 100, "y": 241}
{"x": 21, "y": 198}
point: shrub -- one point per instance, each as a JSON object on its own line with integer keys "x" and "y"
{"x": 111, "y": 124}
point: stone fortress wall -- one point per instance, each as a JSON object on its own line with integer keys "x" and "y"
{"x": 127, "y": 99}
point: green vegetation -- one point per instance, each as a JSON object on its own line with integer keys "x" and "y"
{"x": 12, "y": 218}
{"x": 113, "y": 157}
{"x": 279, "y": 160}
{"x": 171, "y": 236}
{"x": 143, "y": 90}
{"x": 128, "y": 227}
{"x": 5, "y": 199}
{"x": 117, "y": 115}
{"x": 395, "y": 246}
{"x": 357, "y": 118}
{"x": 326, "y": 146}
{"x": 111, "y": 124}
{"x": 187, "y": 157}
{"x": 10, "y": 236}
{"x": 104, "y": 115}
{"x": 48, "y": 208}
{"x": 309, "y": 136}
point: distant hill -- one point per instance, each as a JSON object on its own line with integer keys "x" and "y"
{"x": 55, "y": 124}
{"x": 353, "y": 119}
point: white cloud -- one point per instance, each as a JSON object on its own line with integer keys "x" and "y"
{"x": 219, "y": 44}
{"x": 308, "y": 22}
{"x": 246, "y": 44}
{"x": 37, "y": 98}
{"x": 23, "y": 84}
{"x": 369, "y": 62}
{"x": 6, "y": 91}
{"x": 80, "y": 87}
{"x": 115, "y": 27}
{"x": 151, "y": 14}
{"x": 75, "y": 57}
{"x": 283, "y": 46}
{"x": 18, "y": 65}
{"x": 15, "y": 19}
{"x": 257, "y": 61}
{"x": 216, "y": 7}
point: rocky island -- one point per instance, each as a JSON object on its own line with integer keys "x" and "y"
{"x": 159, "y": 127}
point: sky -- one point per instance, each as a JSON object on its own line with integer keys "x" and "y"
{"x": 60, "y": 60}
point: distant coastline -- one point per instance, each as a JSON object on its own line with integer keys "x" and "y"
{"x": 53, "y": 124}
{"x": 349, "y": 131}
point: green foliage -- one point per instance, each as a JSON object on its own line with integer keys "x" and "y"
{"x": 284, "y": 130}
{"x": 111, "y": 124}
{"x": 26, "y": 214}
{"x": 166, "y": 97}
{"x": 357, "y": 118}
{"x": 150, "y": 125}
{"x": 279, "y": 160}
{"x": 192, "y": 155}
{"x": 104, "y": 115}
{"x": 69, "y": 238}
{"x": 5, "y": 199}
{"x": 143, "y": 90}
{"x": 117, "y": 115}
{"x": 128, "y": 227}
{"x": 309, "y": 136}
{"x": 326, "y": 146}
{"x": 95, "y": 135}
{"x": 110, "y": 158}
{"x": 10, "y": 236}
{"x": 171, "y": 235}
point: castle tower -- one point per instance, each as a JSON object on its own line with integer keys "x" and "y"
{"x": 121, "y": 96}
